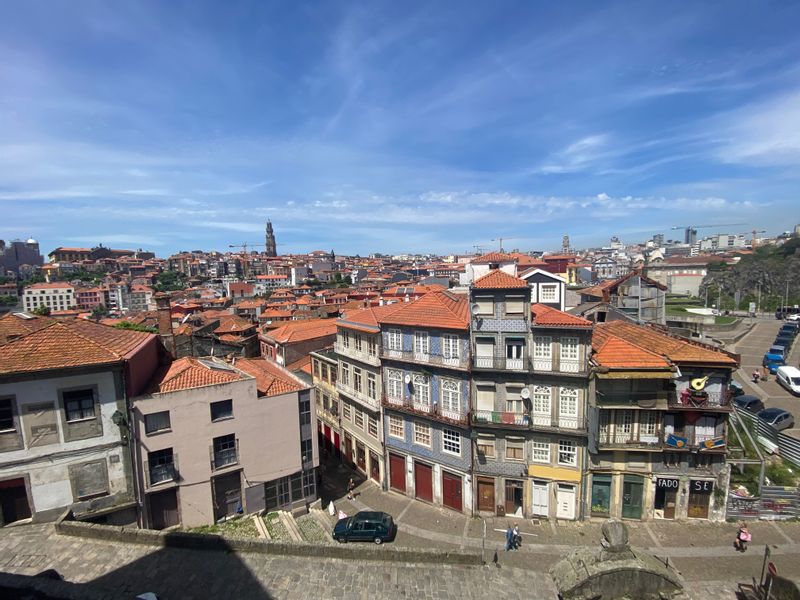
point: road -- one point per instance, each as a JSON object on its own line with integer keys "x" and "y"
{"x": 752, "y": 348}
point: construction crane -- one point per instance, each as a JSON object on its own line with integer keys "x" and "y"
{"x": 500, "y": 239}
{"x": 244, "y": 246}
{"x": 691, "y": 230}
{"x": 478, "y": 249}
{"x": 754, "y": 240}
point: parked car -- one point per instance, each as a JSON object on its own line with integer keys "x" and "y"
{"x": 367, "y": 526}
{"x": 773, "y": 362}
{"x": 789, "y": 377}
{"x": 793, "y": 318}
{"x": 793, "y": 324}
{"x": 752, "y": 404}
{"x": 775, "y": 349}
{"x": 777, "y": 417}
{"x": 784, "y": 339}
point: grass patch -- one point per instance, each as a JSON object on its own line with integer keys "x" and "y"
{"x": 748, "y": 478}
{"x": 276, "y": 529}
{"x": 311, "y": 530}
{"x": 780, "y": 473}
{"x": 724, "y": 320}
{"x": 241, "y": 527}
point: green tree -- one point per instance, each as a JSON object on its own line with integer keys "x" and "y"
{"x": 8, "y": 300}
{"x": 170, "y": 281}
{"x": 42, "y": 311}
{"x": 99, "y": 312}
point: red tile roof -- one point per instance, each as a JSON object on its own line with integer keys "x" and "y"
{"x": 616, "y": 353}
{"x": 368, "y": 319}
{"x": 271, "y": 379}
{"x": 499, "y": 280}
{"x": 546, "y": 316}
{"x": 233, "y": 324}
{"x": 493, "y": 257}
{"x": 677, "y": 350}
{"x": 441, "y": 310}
{"x": 69, "y": 343}
{"x": 298, "y": 331}
{"x": 15, "y": 325}
{"x": 189, "y": 372}
{"x": 57, "y": 285}
{"x": 599, "y": 291}
{"x": 301, "y": 364}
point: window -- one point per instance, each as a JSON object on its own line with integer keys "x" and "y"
{"x": 394, "y": 383}
{"x": 486, "y": 445}
{"x": 345, "y": 340}
{"x": 160, "y": 466}
{"x": 542, "y": 347}
{"x": 156, "y": 422}
{"x": 6, "y": 414}
{"x": 305, "y": 409}
{"x": 649, "y": 423}
{"x": 357, "y": 379}
{"x": 450, "y": 346}
{"x": 317, "y": 372}
{"x": 451, "y": 441}
{"x": 372, "y": 347}
{"x": 485, "y": 397}
{"x": 541, "y": 451}
{"x": 422, "y": 434}
{"x": 548, "y": 292}
{"x": 485, "y": 306}
{"x": 451, "y": 395}
{"x": 541, "y": 400}
{"x": 396, "y": 427}
{"x": 309, "y": 483}
{"x": 515, "y": 305}
{"x": 514, "y": 399}
{"x": 221, "y": 410}
{"x": 515, "y": 448}
{"x": 422, "y": 389}
{"x": 325, "y": 373}
{"x": 515, "y": 348}
{"x": 568, "y": 402}
{"x": 359, "y": 342}
{"x": 79, "y": 405}
{"x": 225, "y": 451}
{"x": 346, "y": 410}
{"x": 372, "y": 426}
{"x": 345, "y": 375}
{"x": 306, "y": 450}
{"x": 395, "y": 340}
{"x": 89, "y": 479}
{"x": 372, "y": 386}
{"x": 422, "y": 343}
{"x": 359, "y": 418}
{"x": 569, "y": 348}
{"x": 567, "y": 453}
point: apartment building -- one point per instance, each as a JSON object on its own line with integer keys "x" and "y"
{"x": 89, "y": 298}
{"x": 659, "y": 420}
{"x": 641, "y": 298}
{"x": 55, "y": 296}
{"x": 426, "y": 361}
{"x": 324, "y": 370}
{"x": 64, "y": 432}
{"x": 295, "y": 339}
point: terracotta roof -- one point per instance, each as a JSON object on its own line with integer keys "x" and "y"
{"x": 189, "y": 372}
{"x": 271, "y": 379}
{"x": 302, "y": 364}
{"x": 598, "y": 291}
{"x": 251, "y": 304}
{"x": 14, "y": 325}
{"x": 233, "y": 324}
{"x": 298, "y": 331}
{"x": 274, "y": 312}
{"x": 69, "y": 343}
{"x": 546, "y": 316}
{"x": 616, "y": 353}
{"x": 493, "y": 257}
{"x": 499, "y": 280}
{"x": 675, "y": 349}
{"x": 368, "y": 319}
{"x": 443, "y": 310}
{"x": 57, "y": 285}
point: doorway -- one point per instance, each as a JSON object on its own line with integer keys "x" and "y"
{"x": 423, "y": 481}
{"x": 451, "y": 491}
{"x": 666, "y": 497}
{"x": 514, "y": 495}
{"x": 699, "y": 497}
{"x": 397, "y": 472}
{"x": 361, "y": 457}
{"x": 164, "y": 509}
{"x": 374, "y": 467}
{"x": 601, "y": 495}
{"x": 486, "y": 494}
{"x": 565, "y": 502}
{"x": 13, "y": 501}
{"x": 227, "y": 491}
{"x": 632, "y": 490}
{"x": 541, "y": 500}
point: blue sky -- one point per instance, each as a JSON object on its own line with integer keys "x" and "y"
{"x": 396, "y": 126}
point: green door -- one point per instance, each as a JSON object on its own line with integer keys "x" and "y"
{"x": 632, "y": 489}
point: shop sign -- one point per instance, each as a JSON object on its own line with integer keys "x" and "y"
{"x": 697, "y": 486}
{"x": 670, "y": 484}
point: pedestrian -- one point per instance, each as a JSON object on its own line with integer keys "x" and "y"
{"x": 765, "y": 373}
{"x": 756, "y": 376}
{"x": 743, "y": 536}
{"x": 350, "y": 486}
{"x": 509, "y": 538}
{"x": 517, "y": 537}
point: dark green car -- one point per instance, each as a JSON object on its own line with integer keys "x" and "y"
{"x": 365, "y": 526}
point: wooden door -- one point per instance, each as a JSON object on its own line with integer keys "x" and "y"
{"x": 486, "y": 494}
{"x": 227, "y": 495}
{"x": 397, "y": 472}
{"x": 514, "y": 497}
{"x": 670, "y": 499}
{"x": 374, "y": 467}
{"x": 565, "y": 502}
{"x": 632, "y": 490}
{"x": 451, "y": 491}
{"x": 164, "y": 509}
{"x": 541, "y": 499}
{"x": 423, "y": 481}
{"x": 13, "y": 501}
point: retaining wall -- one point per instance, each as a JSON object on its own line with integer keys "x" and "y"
{"x": 200, "y": 541}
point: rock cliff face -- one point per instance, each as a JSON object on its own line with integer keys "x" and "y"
{"x": 615, "y": 571}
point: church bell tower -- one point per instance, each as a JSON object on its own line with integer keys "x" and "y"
{"x": 271, "y": 249}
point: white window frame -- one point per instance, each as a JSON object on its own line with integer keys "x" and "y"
{"x": 567, "y": 448}
{"x": 358, "y": 419}
{"x": 344, "y": 375}
{"x": 486, "y": 441}
{"x": 485, "y": 305}
{"x": 568, "y": 402}
{"x": 422, "y": 389}
{"x": 451, "y": 346}
{"x": 451, "y": 442}
{"x": 514, "y": 402}
{"x": 543, "y": 347}
{"x": 515, "y": 305}
{"x": 422, "y": 343}
{"x": 450, "y": 391}
{"x": 372, "y": 385}
{"x": 345, "y": 339}
{"x": 395, "y": 340}
{"x": 570, "y": 348}
{"x": 542, "y": 399}
{"x": 548, "y": 292}
{"x": 397, "y": 427}
{"x": 541, "y": 451}
{"x": 422, "y": 432}
{"x": 394, "y": 383}
{"x": 372, "y": 426}
{"x": 358, "y": 379}
{"x": 346, "y": 411}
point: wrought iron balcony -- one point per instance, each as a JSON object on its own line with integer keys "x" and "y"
{"x": 432, "y": 410}
{"x": 689, "y": 399}
{"x": 629, "y": 440}
{"x": 500, "y": 363}
{"x": 456, "y": 362}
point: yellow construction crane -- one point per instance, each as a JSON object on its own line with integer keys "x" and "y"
{"x": 244, "y": 246}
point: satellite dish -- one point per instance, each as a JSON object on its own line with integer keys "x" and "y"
{"x": 407, "y": 378}
{"x": 474, "y": 309}
{"x": 525, "y": 393}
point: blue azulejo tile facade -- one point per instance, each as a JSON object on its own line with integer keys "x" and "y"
{"x": 434, "y": 453}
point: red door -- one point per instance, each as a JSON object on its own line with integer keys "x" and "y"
{"x": 397, "y": 472}
{"x": 423, "y": 481}
{"x": 451, "y": 491}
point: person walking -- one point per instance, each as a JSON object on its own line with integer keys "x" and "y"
{"x": 517, "y": 541}
{"x": 743, "y": 536}
{"x": 756, "y": 376}
{"x": 509, "y": 538}
{"x": 350, "y": 487}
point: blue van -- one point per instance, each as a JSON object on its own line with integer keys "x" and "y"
{"x": 778, "y": 350}
{"x": 772, "y": 362}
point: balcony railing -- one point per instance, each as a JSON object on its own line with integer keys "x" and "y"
{"x": 690, "y": 399}
{"x": 372, "y": 403}
{"x": 459, "y": 362}
{"x": 432, "y": 410}
{"x": 499, "y": 362}
{"x": 224, "y": 457}
{"x": 569, "y": 366}
{"x": 161, "y": 472}
{"x": 654, "y": 399}
{"x": 528, "y": 420}
{"x": 625, "y": 440}
{"x": 542, "y": 364}
{"x": 501, "y": 418}
{"x": 361, "y": 355}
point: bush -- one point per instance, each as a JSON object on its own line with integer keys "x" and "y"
{"x": 779, "y": 473}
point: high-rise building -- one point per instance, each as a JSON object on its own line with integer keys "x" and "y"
{"x": 271, "y": 247}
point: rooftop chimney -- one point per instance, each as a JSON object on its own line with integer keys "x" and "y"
{"x": 165, "y": 322}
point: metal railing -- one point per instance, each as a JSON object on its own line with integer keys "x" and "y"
{"x": 691, "y": 399}
{"x": 224, "y": 457}
{"x": 161, "y": 472}
{"x": 630, "y": 440}
{"x": 528, "y": 420}
{"x": 409, "y": 404}
{"x": 459, "y": 362}
{"x": 499, "y": 362}
{"x": 373, "y": 403}
{"x": 351, "y": 352}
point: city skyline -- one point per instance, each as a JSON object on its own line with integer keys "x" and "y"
{"x": 386, "y": 129}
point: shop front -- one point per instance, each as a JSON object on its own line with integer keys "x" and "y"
{"x": 601, "y": 495}
{"x": 699, "y": 498}
{"x": 666, "y": 499}
{"x": 632, "y": 495}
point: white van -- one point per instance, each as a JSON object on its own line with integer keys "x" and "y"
{"x": 789, "y": 377}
